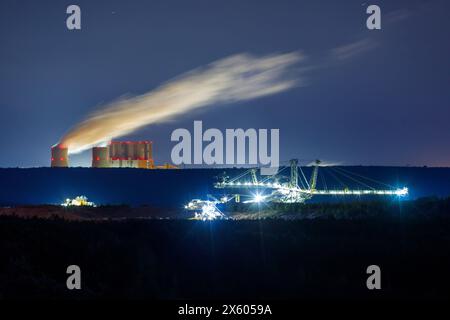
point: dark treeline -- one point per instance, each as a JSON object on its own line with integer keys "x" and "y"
{"x": 271, "y": 258}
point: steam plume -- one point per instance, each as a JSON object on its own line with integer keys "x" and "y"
{"x": 239, "y": 77}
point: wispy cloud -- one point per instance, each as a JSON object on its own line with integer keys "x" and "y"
{"x": 364, "y": 45}
{"x": 236, "y": 78}
{"x": 355, "y": 48}
{"x": 397, "y": 15}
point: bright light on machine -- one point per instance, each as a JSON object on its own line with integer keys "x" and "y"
{"x": 258, "y": 198}
{"x": 401, "y": 192}
{"x": 206, "y": 210}
{"x": 209, "y": 212}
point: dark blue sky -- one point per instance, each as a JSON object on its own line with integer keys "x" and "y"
{"x": 373, "y": 97}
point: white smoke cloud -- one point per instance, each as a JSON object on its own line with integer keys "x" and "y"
{"x": 353, "y": 49}
{"x": 239, "y": 77}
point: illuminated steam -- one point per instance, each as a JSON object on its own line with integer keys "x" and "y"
{"x": 235, "y": 78}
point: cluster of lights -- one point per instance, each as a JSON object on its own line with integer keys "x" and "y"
{"x": 286, "y": 189}
{"x": 205, "y": 210}
{"x": 397, "y": 192}
{"x": 209, "y": 212}
{"x": 80, "y": 201}
{"x": 194, "y": 204}
{"x": 252, "y": 184}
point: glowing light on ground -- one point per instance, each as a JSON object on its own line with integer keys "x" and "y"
{"x": 80, "y": 201}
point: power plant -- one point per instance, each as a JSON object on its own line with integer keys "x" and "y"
{"x": 124, "y": 154}
{"x": 117, "y": 154}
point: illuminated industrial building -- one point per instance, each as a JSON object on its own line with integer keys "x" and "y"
{"x": 80, "y": 201}
{"x": 117, "y": 154}
{"x": 131, "y": 154}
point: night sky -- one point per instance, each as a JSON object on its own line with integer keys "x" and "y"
{"x": 373, "y": 97}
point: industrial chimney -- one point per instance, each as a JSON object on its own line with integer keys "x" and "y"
{"x": 100, "y": 157}
{"x": 60, "y": 158}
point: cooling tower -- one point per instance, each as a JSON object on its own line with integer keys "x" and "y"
{"x": 100, "y": 157}
{"x": 60, "y": 158}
